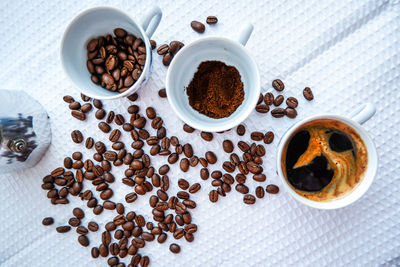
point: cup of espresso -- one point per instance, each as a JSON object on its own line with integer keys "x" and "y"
{"x": 328, "y": 161}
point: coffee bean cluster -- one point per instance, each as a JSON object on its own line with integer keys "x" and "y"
{"x": 267, "y": 100}
{"x": 168, "y": 51}
{"x": 116, "y": 62}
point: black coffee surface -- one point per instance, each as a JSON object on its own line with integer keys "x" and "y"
{"x": 314, "y": 176}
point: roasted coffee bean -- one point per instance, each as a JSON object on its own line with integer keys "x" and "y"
{"x": 278, "y": 85}
{"x": 308, "y": 94}
{"x": 133, "y": 97}
{"x": 174, "y": 248}
{"x": 77, "y": 155}
{"x": 110, "y": 116}
{"x": 93, "y": 226}
{"x": 194, "y": 188}
{"x": 227, "y": 145}
{"x": 78, "y": 213}
{"x": 119, "y": 119}
{"x": 139, "y": 123}
{"x": 291, "y": 113}
{"x": 206, "y": 136}
{"x": 68, "y": 99}
{"x": 74, "y": 106}
{"x": 241, "y": 130}
{"x": 131, "y": 197}
{"x": 164, "y": 169}
{"x": 234, "y": 158}
{"x": 278, "y": 100}
{"x": 278, "y": 112}
{"x": 188, "y": 150}
{"x": 68, "y": 163}
{"x": 83, "y": 240}
{"x": 188, "y": 129}
{"x": 153, "y": 44}
{"x": 228, "y": 166}
{"x": 257, "y": 136}
{"x": 76, "y": 136}
{"x": 203, "y": 162}
{"x": 272, "y": 189}
{"x": 249, "y": 199}
{"x": 164, "y": 183}
{"x": 241, "y": 188}
{"x": 211, "y": 157}
{"x": 212, "y": 20}
{"x": 82, "y": 230}
{"x": 174, "y": 140}
{"x": 213, "y": 196}
{"x": 63, "y": 229}
{"x": 167, "y": 58}
{"x": 216, "y": 182}
{"x": 216, "y": 174}
{"x": 86, "y": 107}
{"x": 260, "y": 99}
{"x": 163, "y": 49}
{"x": 260, "y": 150}
{"x": 240, "y": 178}
{"x": 198, "y": 26}
{"x": 174, "y": 47}
{"x": 190, "y": 204}
{"x": 260, "y": 192}
{"x": 183, "y": 184}
{"x": 184, "y": 164}
{"x": 108, "y": 205}
{"x": 259, "y": 177}
{"x": 47, "y": 221}
{"x": 89, "y": 143}
{"x": 262, "y": 108}
{"x": 106, "y": 194}
{"x": 95, "y": 252}
{"x": 183, "y": 195}
{"x": 92, "y": 203}
{"x": 292, "y": 102}
{"x": 150, "y": 113}
{"x": 110, "y": 155}
{"x": 254, "y": 167}
{"x": 243, "y": 146}
{"x": 268, "y": 137}
{"x": 204, "y": 174}
{"x": 104, "y": 127}
{"x": 269, "y": 98}
{"x": 115, "y": 135}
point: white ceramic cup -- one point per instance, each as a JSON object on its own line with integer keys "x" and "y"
{"x": 99, "y": 21}
{"x": 184, "y": 65}
{"x": 359, "y": 116}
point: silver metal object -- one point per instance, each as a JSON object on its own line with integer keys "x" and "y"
{"x": 24, "y": 131}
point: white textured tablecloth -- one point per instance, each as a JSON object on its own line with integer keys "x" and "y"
{"x": 347, "y": 51}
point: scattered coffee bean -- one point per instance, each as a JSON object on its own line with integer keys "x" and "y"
{"x": 278, "y": 112}
{"x": 78, "y": 213}
{"x": 167, "y": 58}
{"x": 268, "y": 137}
{"x": 211, "y": 157}
{"x": 259, "y": 177}
{"x": 86, "y": 107}
{"x": 241, "y": 188}
{"x": 194, "y": 188}
{"x": 206, "y": 136}
{"x": 47, "y": 221}
{"x": 292, "y": 102}
{"x": 93, "y": 226}
{"x": 153, "y": 44}
{"x": 241, "y": 130}
{"x": 83, "y": 240}
{"x": 269, "y": 98}
{"x": 249, "y": 199}
{"x": 68, "y": 99}
{"x": 175, "y": 248}
{"x": 104, "y": 127}
{"x": 78, "y": 115}
{"x": 308, "y": 94}
{"x": 163, "y": 49}
{"x": 278, "y": 85}
{"x": 227, "y": 145}
{"x": 63, "y": 229}
{"x": 162, "y": 93}
{"x": 213, "y": 196}
{"x": 257, "y": 136}
{"x": 291, "y": 113}
{"x": 262, "y": 108}
{"x": 260, "y": 192}
{"x": 76, "y": 136}
{"x": 260, "y": 99}
{"x": 188, "y": 129}
{"x": 133, "y": 97}
{"x": 198, "y": 26}
{"x": 272, "y": 189}
{"x": 278, "y": 100}
{"x": 212, "y": 20}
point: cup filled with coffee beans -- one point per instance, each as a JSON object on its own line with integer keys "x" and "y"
{"x": 328, "y": 161}
{"x": 106, "y": 53}
{"x": 213, "y": 84}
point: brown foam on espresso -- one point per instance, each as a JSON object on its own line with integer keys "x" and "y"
{"x": 324, "y": 160}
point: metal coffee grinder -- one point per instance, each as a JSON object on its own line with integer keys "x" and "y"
{"x": 25, "y": 132}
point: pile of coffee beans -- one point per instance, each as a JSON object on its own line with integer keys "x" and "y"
{"x": 269, "y": 99}
{"x": 116, "y": 62}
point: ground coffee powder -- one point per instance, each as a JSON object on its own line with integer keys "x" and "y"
{"x": 216, "y": 89}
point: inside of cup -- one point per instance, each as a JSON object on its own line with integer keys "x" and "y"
{"x": 91, "y": 24}
{"x": 185, "y": 65}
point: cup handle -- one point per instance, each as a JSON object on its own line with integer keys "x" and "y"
{"x": 245, "y": 33}
{"x": 363, "y": 113}
{"x": 153, "y": 16}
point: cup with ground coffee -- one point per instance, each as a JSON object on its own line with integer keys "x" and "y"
{"x": 328, "y": 161}
{"x": 105, "y": 47}
{"x": 213, "y": 83}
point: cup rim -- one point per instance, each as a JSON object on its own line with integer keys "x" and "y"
{"x": 137, "y": 84}
{"x": 359, "y": 191}
{"x": 229, "y": 124}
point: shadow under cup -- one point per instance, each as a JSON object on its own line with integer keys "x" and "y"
{"x": 327, "y": 161}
